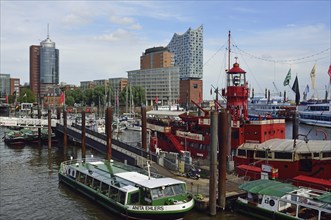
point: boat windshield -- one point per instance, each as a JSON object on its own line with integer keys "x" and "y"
{"x": 167, "y": 191}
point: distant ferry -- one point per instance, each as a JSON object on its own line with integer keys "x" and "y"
{"x": 169, "y": 108}
{"x": 127, "y": 192}
{"x": 316, "y": 114}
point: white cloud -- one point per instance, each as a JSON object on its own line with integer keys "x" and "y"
{"x": 121, "y": 20}
{"x": 117, "y": 35}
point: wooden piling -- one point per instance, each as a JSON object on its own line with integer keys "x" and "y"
{"x": 65, "y": 137}
{"x": 49, "y": 129}
{"x": 58, "y": 113}
{"x": 222, "y": 141}
{"x": 143, "y": 128}
{"x": 213, "y": 163}
{"x": 83, "y": 136}
{"x": 295, "y": 126}
{"x": 39, "y": 129}
{"x": 109, "y": 121}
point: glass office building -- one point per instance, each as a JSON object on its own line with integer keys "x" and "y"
{"x": 162, "y": 83}
{"x": 49, "y": 62}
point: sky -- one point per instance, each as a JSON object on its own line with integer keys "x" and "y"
{"x": 105, "y": 39}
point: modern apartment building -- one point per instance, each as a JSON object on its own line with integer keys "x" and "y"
{"x": 161, "y": 84}
{"x": 188, "y": 53}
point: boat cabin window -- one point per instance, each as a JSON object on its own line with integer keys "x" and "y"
{"x": 179, "y": 189}
{"x": 104, "y": 188}
{"x": 156, "y": 193}
{"x": 167, "y": 191}
{"x": 305, "y": 162}
{"x": 89, "y": 180}
{"x": 121, "y": 197}
{"x": 326, "y": 155}
{"x": 133, "y": 198}
{"x": 71, "y": 172}
{"x": 316, "y": 155}
{"x": 283, "y": 155}
{"x": 113, "y": 193}
{"x": 81, "y": 177}
{"x": 241, "y": 152}
{"x": 260, "y": 154}
{"x": 96, "y": 184}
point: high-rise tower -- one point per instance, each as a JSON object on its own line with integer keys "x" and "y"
{"x": 49, "y": 65}
{"x": 188, "y": 53}
{"x": 44, "y": 67}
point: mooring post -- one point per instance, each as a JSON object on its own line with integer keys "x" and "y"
{"x": 109, "y": 121}
{"x": 65, "y": 137}
{"x": 83, "y": 136}
{"x": 39, "y": 129}
{"x": 143, "y": 128}
{"x": 223, "y": 141}
{"x": 213, "y": 162}
{"x": 58, "y": 113}
{"x": 295, "y": 128}
{"x": 49, "y": 129}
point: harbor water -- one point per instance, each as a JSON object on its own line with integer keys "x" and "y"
{"x": 29, "y": 187}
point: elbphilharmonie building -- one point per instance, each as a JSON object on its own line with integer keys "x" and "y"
{"x": 188, "y": 53}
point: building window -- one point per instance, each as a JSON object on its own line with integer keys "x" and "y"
{"x": 195, "y": 86}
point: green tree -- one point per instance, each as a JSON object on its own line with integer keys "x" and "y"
{"x": 70, "y": 101}
{"x": 138, "y": 95}
{"x": 26, "y": 96}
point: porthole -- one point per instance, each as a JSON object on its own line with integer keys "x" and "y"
{"x": 271, "y": 202}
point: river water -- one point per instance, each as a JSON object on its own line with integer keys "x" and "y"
{"x": 29, "y": 187}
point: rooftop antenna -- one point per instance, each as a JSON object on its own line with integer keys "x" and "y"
{"x": 47, "y": 30}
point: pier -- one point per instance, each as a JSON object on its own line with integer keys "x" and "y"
{"x": 26, "y": 122}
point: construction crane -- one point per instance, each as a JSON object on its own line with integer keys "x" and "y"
{"x": 275, "y": 87}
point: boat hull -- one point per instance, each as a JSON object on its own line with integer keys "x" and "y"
{"x": 256, "y": 212}
{"x": 128, "y": 212}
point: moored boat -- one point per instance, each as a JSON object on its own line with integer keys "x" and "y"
{"x": 289, "y": 157}
{"x": 129, "y": 193}
{"x": 268, "y": 199}
{"x": 316, "y": 114}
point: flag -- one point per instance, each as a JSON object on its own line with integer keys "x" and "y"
{"x": 62, "y": 98}
{"x": 7, "y": 99}
{"x": 156, "y": 100}
{"x": 295, "y": 89}
{"x": 287, "y": 78}
{"x": 329, "y": 72}
{"x": 312, "y": 76}
{"x": 307, "y": 89}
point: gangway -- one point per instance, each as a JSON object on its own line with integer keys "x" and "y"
{"x": 26, "y": 122}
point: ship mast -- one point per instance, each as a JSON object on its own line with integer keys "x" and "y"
{"x": 229, "y": 50}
